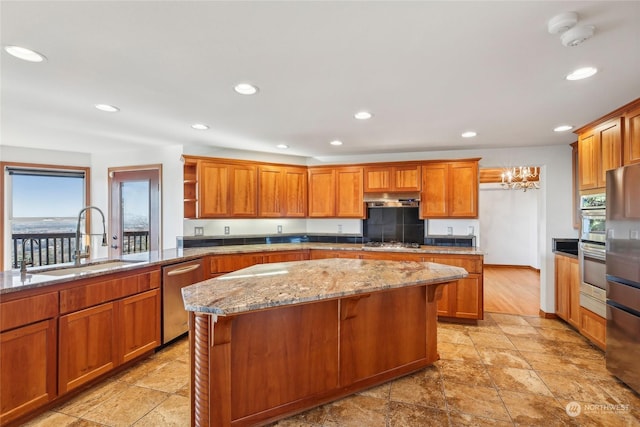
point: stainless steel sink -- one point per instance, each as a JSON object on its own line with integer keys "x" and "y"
{"x": 98, "y": 266}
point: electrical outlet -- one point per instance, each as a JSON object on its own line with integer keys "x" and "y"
{"x": 227, "y": 229}
{"x": 339, "y": 228}
{"x": 449, "y": 231}
{"x": 279, "y": 229}
{"x": 198, "y": 231}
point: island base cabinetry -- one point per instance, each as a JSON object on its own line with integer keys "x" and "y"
{"x": 283, "y": 360}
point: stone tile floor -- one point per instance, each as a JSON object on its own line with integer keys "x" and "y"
{"x": 509, "y": 370}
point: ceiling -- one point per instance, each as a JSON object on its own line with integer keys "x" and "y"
{"x": 428, "y": 71}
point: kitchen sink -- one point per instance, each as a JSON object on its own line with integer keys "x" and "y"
{"x": 86, "y": 268}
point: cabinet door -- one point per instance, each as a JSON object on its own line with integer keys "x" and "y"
{"x": 284, "y": 256}
{"x": 593, "y": 327}
{"x": 87, "y": 345}
{"x": 349, "y": 195}
{"x": 632, "y": 136}
{"x": 295, "y": 192}
{"x": 435, "y": 190}
{"x": 610, "y": 137}
{"x": 406, "y": 178}
{"x": 140, "y": 328}
{"x": 214, "y": 181}
{"x": 468, "y": 298}
{"x": 27, "y": 368}
{"x": 588, "y": 160}
{"x": 445, "y": 306}
{"x": 377, "y": 178}
{"x": 463, "y": 188}
{"x": 573, "y": 315}
{"x": 243, "y": 186}
{"x": 219, "y": 264}
{"x": 322, "y": 196}
{"x": 327, "y": 253}
{"x": 271, "y": 197}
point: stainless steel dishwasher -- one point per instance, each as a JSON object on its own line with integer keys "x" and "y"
{"x": 174, "y": 278}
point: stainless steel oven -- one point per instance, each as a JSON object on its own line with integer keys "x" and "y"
{"x": 592, "y": 215}
{"x": 593, "y": 277}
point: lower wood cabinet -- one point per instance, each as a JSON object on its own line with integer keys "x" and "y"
{"x": 27, "y": 369}
{"x": 140, "y": 328}
{"x": 87, "y": 345}
{"x": 567, "y": 289}
{"x": 328, "y": 253}
{"x": 593, "y": 327}
{"x": 463, "y": 299}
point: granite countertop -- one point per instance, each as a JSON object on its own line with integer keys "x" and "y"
{"x": 271, "y": 285}
{"x": 13, "y": 280}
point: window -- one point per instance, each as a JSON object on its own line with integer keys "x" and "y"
{"x": 42, "y": 205}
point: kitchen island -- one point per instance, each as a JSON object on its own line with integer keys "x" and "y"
{"x": 275, "y": 339}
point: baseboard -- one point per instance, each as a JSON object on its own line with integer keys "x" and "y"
{"x": 524, "y": 267}
{"x": 547, "y": 315}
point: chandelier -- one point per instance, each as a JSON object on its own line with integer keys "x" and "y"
{"x": 520, "y": 178}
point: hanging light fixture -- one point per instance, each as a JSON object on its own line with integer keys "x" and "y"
{"x": 520, "y": 178}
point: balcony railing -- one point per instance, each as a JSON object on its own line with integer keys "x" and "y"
{"x": 56, "y": 248}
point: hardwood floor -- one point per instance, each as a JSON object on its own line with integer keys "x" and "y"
{"x": 511, "y": 290}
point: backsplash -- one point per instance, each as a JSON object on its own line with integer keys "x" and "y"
{"x": 272, "y": 226}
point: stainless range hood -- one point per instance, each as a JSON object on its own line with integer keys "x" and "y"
{"x": 392, "y": 200}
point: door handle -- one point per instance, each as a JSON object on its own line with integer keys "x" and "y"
{"x": 183, "y": 270}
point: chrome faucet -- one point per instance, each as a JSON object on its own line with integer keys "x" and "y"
{"x": 23, "y": 261}
{"x": 78, "y": 254}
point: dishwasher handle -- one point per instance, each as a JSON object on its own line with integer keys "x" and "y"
{"x": 183, "y": 270}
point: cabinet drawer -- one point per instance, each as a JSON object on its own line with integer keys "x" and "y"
{"x": 285, "y": 257}
{"x": 28, "y": 310}
{"x": 472, "y": 265}
{"x": 228, "y": 263}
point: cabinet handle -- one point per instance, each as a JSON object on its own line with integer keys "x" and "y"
{"x": 183, "y": 270}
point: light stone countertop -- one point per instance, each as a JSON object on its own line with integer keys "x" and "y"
{"x": 13, "y": 281}
{"x": 272, "y": 285}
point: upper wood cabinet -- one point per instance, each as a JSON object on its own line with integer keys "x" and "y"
{"x": 282, "y": 191}
{"x": 226, "y": 190}
{"x": 450, "y": 190}
{"x": 632, "y": 135}
{"x": 336, "y": 192}
{"x": 599, "y": 150}
{"x": 385, "y": 178}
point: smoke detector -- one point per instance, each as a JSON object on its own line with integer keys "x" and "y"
{"x": 577, "y": 35}
{"x": 561, "y": 23}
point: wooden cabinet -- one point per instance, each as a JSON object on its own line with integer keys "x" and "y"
{"x": 593, "y": 327}
{"x": 106, "y": 322}
{"x": 285, "y": 256}
{"x": 336, "y": 192}
{"x": 190, "y": 189}
{"x": 450, "y": 190}
{"x": 88, "y": 346}
{"x": 599, "y": 150}
{"x": 463, "y": 299}
{"x": 220, "y": 264}
{"x": 327, "y": 253}
{"x": 632, "y": 135}
{"x": 227, "y": 190}
{"x": 28, "y": 344}
{"x": 282, "y": 191}
{"x": 386, "y": 178}
{"x": 140, "y": 327}
{"x": 567, "y": 293}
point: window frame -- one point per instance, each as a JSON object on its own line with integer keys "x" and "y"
{"x": 5, "y": 231}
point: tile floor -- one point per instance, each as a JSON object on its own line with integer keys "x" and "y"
{"x": 509, "y": 370}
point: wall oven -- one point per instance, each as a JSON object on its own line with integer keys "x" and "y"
{"x": 593, "y": 215}
{"x": 593, "y": 277}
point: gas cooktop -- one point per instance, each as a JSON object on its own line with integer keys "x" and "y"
{"x": 392, "y": 245}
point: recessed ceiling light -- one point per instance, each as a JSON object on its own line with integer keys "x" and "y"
{"x": 336, "y": 142}
{"x": 283, "y": 146}
{"x": 24, "y": 53}
{"x": 563, "y": 128}
{"x": 108, "y": 108}
{"x": 245, "y": 89}
{"x": 582, "y": 73}
{"x": 200, "y": 126}
{"x": 468, "y": 134}
{"x": 363, "y": 115}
